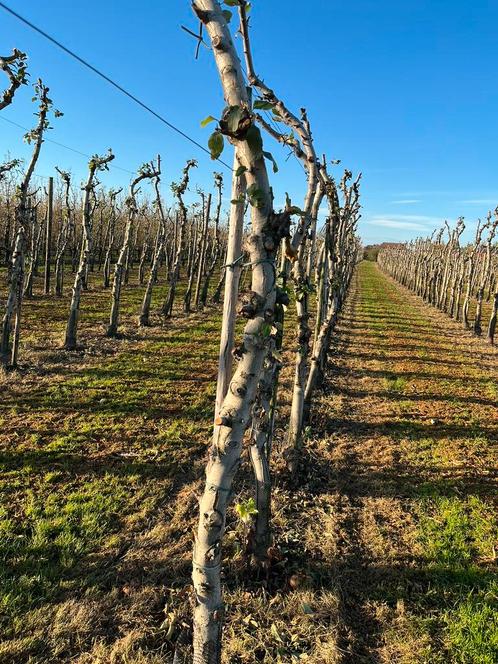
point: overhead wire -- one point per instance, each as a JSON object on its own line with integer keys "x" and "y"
{"x": 109, "y": 80}
{"x": 128, "y": 94}
{"x": 67, "y": 147}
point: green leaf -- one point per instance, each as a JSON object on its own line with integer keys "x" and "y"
{"x": 232, "y": 117}
{"x": 216, "y": 144}
{"x": 246, "y": 510}
{"x": 228, "y": 15}
{"x": 232, "y": 3}
{"x": 255, "y": 141}
{"x": 291, "y": 139}
{"x": 240, "y": 170}
{"x": 263, "y": 105}
{"x": 265, "y": 330}
{"x": 270, "y": 157}
{"x": 255, "y": 195}
{"x": 207, "y": 120}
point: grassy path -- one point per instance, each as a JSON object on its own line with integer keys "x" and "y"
{"x": 410, "y": 429}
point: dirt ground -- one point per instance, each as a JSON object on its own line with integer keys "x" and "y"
{"x": 385, "y": 543}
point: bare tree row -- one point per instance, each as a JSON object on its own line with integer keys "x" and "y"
{"x": 100, "y": 232}
{"x": 454, "y": 277}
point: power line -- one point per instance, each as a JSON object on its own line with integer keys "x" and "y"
{"x": 49, "y": 140}
{"x": 109, "y": 80}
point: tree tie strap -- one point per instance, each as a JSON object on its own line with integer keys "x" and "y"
{"x": 206, "y": 567}
{"x": 217, "y": 488}
{"x": 237, "y": 260}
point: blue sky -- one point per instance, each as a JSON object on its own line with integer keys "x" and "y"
{"x": 405, "y": 91}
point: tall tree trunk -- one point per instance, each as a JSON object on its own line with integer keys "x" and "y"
{"x": 111, "y": 237}
{"x": 203, "y": 248}
{"x": 16, "y": 287}
{"x": 231, "y": 276}
{"x": 235, "y": 413}
{"x": 179, "y": 190}
{"x": 486, "y": 268}
{"x": 36, "y": 235}
{"x": 64, "y": 234}
{"x": 147, "y": 171}
{"x": 192, "y": 264}
{"x": 144, "y": 319}
{"x": 48, "y": 236}
{"x": 218, "y": 179}
{"x": 492, "y": 320}
{"x": 96, "y": 163}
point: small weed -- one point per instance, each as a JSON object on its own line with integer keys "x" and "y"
{"x": 397, "y": 384}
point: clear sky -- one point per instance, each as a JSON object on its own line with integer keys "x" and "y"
{"x": 404, "y": 90}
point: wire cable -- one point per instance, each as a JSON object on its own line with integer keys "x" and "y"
{"x": 49, "y": 140}
{"x": 109, "y": 80}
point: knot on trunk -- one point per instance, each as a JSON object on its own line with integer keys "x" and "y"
{"x": 282, "y": 297}
{"x": 217, "y": 42}
{"x": 202, "y": 14}
{"x": 238, "y": 352}
{"x": 279, "y": 224}
{"x": 214, "y": 551}
{"x": 238, "y": 389}
{"x": 205, "y": 587}
{"x": 213, "y": 519}
{"x": 223, "y": 421}
{"x": 249, "y": 304}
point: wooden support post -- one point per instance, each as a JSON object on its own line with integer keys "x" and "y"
{"x": 50, "y": 209}
{"x": 233, "y": 269}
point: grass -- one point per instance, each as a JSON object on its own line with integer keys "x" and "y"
{"x": 457, "y": 535}
{"x": 395, "y": 384}
{"x": 457, "y": 532}
{"x": 472, "y": 628}
{"x": 92, "y": 445}
{"x": 56, "y": 529}
{"x": 384, "y": 546}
